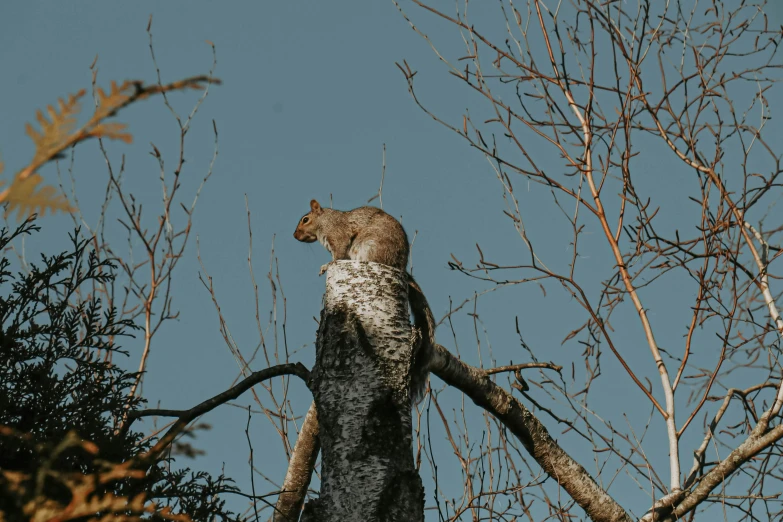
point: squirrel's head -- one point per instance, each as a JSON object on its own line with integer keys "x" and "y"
{"x": 306, "y": 230}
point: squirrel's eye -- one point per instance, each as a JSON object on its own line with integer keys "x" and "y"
{"x": 305, "y": 220}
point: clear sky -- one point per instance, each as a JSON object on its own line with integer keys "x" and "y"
{"x": 310, "y": 95}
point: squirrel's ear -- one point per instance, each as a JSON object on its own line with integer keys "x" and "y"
{"x": 314, "y": 205}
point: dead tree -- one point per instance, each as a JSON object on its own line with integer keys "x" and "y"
{"x": 360, "y": 385}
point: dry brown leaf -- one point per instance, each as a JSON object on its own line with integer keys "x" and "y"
{"x": 56, "y": 130}
{"x": 24, "y": 197}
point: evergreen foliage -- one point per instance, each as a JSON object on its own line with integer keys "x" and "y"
{"x": 63, "y": 398}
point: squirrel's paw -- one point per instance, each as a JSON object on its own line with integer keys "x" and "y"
{"x": 323, "y": 270}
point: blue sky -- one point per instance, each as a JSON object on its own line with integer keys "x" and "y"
{"x": 310, "y": 96}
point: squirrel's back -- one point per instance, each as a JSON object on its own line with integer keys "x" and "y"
{"x": 379, "y": 238}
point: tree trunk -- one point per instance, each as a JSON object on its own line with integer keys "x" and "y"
{"x": 360, "y": 385}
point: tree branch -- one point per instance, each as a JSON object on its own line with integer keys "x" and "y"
{"x": 186, "y": 416}
{"x": 300, "y": 470}
{"x": 752, "y": 446}
{"x": 568, "y": 473}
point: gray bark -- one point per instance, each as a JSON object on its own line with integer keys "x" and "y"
{"x": 300, "y": 470}
{"x": 558, "y": 464}
{"x": 360, "y": 386}
{"x": 759, "y": 440}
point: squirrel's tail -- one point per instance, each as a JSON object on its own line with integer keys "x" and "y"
{"x": 425, "y": 324}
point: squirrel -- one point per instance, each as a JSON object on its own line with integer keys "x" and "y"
{"x": 370, "y": 234}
